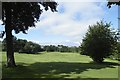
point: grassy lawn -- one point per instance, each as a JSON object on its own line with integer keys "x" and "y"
{"x": 59, "y": 65}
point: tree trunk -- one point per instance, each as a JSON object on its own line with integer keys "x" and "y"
{"x": 97, "y": 60}
{"x": 9, "y": 39}
{"x": 10, "y": 52}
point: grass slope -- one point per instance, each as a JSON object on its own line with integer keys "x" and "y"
{"x": 59, "y": 65}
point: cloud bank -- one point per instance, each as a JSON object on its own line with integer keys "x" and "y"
{"x": 71, "y": 20}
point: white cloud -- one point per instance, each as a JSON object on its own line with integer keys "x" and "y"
{"x": 35, "y": 41}
{"x": 73, "y": 22}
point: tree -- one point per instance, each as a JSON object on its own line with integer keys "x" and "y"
{"x": 31, "y": 48}
{"x": 28, "y": 48}
{"x": 19, "y": 16}
{"x": 99, "y": 42}
{"x": 112, "y": 2}
{"x": 21, "y": 44}
{"x": 118, "y": 47}
{"x": 118, "y": 51}
{"x": 4, "y": 45}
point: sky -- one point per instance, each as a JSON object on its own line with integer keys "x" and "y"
{"x": 69, "y": 25}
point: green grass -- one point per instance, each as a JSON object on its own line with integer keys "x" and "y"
{"x": 59, "y": 65}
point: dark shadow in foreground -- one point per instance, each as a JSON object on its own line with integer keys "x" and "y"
{"x": 53, "y": 70}
{"x": 60, "y": 79}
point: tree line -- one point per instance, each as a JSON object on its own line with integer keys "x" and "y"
{"x": 61, "y": 48}
{"x": 29, "y": 47}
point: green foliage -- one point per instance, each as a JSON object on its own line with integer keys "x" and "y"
{"x": 19, "y": 45}
{"x": 60, "y": 48}
{"x": 116, "y": 54}
{"x": 4, "y": 45}
{"x": 118, "y": 47}
{"x": 99, "y": 42}
{"x": 24, "y": 14}
{"x": 50, "y": 48}
{"x": 23, "y": 46}
{"x": 31, "y": 47}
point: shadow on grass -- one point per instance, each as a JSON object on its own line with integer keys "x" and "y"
{"x": 60, "y": 79}
{"x": 59, "y": 70}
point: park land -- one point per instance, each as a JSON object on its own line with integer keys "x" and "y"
{"x": 59, "y": 65}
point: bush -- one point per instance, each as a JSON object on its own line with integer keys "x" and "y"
{"x": 99, "y": 42}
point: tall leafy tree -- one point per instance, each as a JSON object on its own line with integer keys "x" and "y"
{"x": 19, "y": 16}
{"x": 99, "y": 42}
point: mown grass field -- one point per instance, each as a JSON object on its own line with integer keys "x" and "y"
{"x": 59, "y": 65}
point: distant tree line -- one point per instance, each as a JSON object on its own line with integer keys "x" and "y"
{"x": 24, "y": 46}
{"x": 60, "y": 48}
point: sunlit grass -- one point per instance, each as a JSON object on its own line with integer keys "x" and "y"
{"x": 59, "y": 65}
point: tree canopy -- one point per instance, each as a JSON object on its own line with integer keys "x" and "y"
{"x": 24, "y": 14}
{"x": 112, "y": 2}
{"x": 99, "y": 42}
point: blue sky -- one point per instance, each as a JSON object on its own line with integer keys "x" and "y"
{"x": 69, "y": 25}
